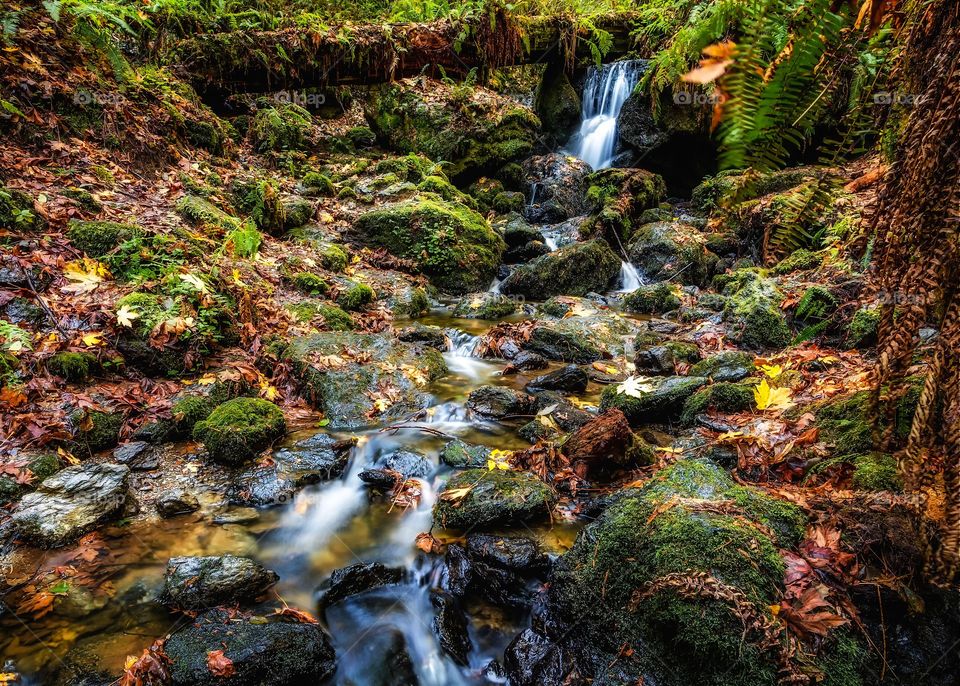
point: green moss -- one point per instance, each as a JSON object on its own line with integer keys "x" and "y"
{"x": 876, "y": 472}
{"x": 201, "y": 212}
{"x": 575, "y": 269}
{"x": 44, "y": 466}
{"x": 554, "y": 307}
{"x": 652, "y": 299}
{"x": 487, "y": 306}
{"x": 319, "y": 184}
{"x": 310, "y": 283}
{"x": 446, "y": 190}
{"x": 333, "y": 258}
{"x": 754, "y": 310}
{"x": 83, "y": 198}
{"x": 661, "y": 404}
{"x": 98, "y": 238}
{"x": 296, "y": 212}
{"x": 347, "y": 193}
{"x": 72, "y": 366}
{"x": 239, "y": 429}
{"x": 844, "y": 423}
{"x": 261, "y": 200}
{"x": 799, "y": 260}
{"x": 244, "y": 241}
{"x": 283, "y": 127}
{"x": 95, "y": 430}
{"x": 414, "y": 303}
{"x": 723, "y": 396}
{"x": 362, "y": 136}
{"x": 729, "y": 359}
{"x": 495, "y": 498}
{"x": 451, "y": 243}
{"x": 816, "y": 304}
{"x": 863, "y": 327}
{"x": 355, "y": 297}
{"x": 189, "y": 410}
{"x": 335, "y": 318}
{"x": 17, "y": 213}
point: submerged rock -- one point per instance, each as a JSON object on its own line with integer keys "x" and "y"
{"x": 576, "y": 269}
{"x": 176, "y": 502}
{"x": 199, "y": 583}
{"x": 495, "y": 498}
{"x": 570, "y": 379}
{"x": 275, "y": 653}
{"x": 355, "y": 579}
{"x": 72, "y": 502}
{"x": 318, "y": 458}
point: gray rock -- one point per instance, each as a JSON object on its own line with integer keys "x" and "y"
{"x": 570, "y": 379}
{"x": 499, "y": 402}
{"x": 672, "y": 251}
{"x": 177, "y": 502}
{"x": 557, "y": 186}
{"x": 72, "y": 502}
{"x": 406, "y": 462}
{"x": 138, "y": 455}
{"x": 198, "y": 583}
{"x": 318, "y": 458}
{"x": 730, "y": 365}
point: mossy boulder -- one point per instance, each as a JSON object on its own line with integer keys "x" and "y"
{"x": 672, "y": 251}
{"x": 17, "y": 213}
{"x": 98, "y": 238}
{"x": 475, "y": 130}
{"x": 677, "y": 638}
{"x": 462, "y": 455}
{"x": 96, "y": 430}
{"x": 489, "y": 306}
{"x": 453, "y": 245}
{"x": 348, "y": 391}
{"x": 355, "y": 296}
{"x": 318, "y": 184}
{"x": 73, "y": 366}
{"x": 585, "y": 337}
{"x": 576, "y": 269}
{"x": 708, "y": 195}
{"x": 285, "y": 126}
{"x": 664, "y": 358}
{"x": 722, "y": 396}
{"x": 862, "y": 331}
{"x": 411, "y": 302}
{"x": 798, "y": 260}
{"x": 556, "y": 102}
{"x": 726, "y": 366}
{"x": 753, "y": 312}
{"x": 618, "y": 198}
{"x": 652, "y": 299}
{"x": 662, "y": 403}
{"x": 557, "y": 186}
{"x": 309, "y": 283}
{"x": 201, "y": 212}
{"x": 495, "y": 499}
{"x": 240, "y": 429}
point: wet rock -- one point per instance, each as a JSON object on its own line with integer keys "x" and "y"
{"x": 274, "y": 653}
{"x": 618, "y": 197}
{"x": 461, "y": 455}
{"x": 606, "y": 441}
{"x": 386, "y": 659}
{"x": 450, "y": 625}
{"x": 651, "y": 299}
{"x": 518, "y": 554}
{"x": 575, "y": 269}
{"x": 591, "y": 335}
{"x": 261, "y": 486}
{"x": 355, "y": 579}
{"x": 407, "y": 462}
{"x": 570, "y": 379}
{"x": 340, "y": 391}
{"x": 495, "y": 498}
{"x": 672, "y": 251}
{"x": 318, "y": 458}
{"x": 566, "y": 415}
{"x": 429, "y": 335}
{"x": 497, "y": 569}
{"x": 176, "y": 502}
{"x": 729, "y": 366}
{"x": 663, "y": 359}
{"x": 237, "y": 515}
{"x": 557, "y": 187}
{"x": 528, "y": 360}
{"x": 72, "y": 502}
{"x": 663, "y": 403}
{"x": 517, "y": 232}
{"x": 137, "y": 455}
{"x": 499, "y": 402}
{"x": 556, "y": 102}
{"x": 239, "y": 429}
{"x": 380, "y": 480}
{"x": 489, "y": 306}
{"x": 198, "y": 583}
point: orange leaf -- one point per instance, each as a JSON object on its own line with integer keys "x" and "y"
{"x": 219, "y": 664}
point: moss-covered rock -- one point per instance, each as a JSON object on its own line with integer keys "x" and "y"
{"x": 355, "y": 296}
{"x": 98, "y": 238}
{"x": 862, "y": 331}
{"x": 462, "y": 455}
{"x": 348, "y": 393}
{"x": 636, "y": 542}
{"x": 722, "y": 396}
{"x": 664, "y": 358}
{"x": 310, "y": 283}
{"x": 876, "y": 472}
{"x": 475, "y": 130}
{"x": 318, "y": 184}
{"x": 754, "y": 314}
{"x": 672, "y": 251}
{"x": 729, "y": 366}
{"x": 495, "y": 498}
{"x": 556, "y": 102}
{"x": 453, "y": 245}
{"x": 96, "y": 430}
{"x": 798, "y": 260}
{"x": 239, "y": 429}
{"x": 201, "y": 212}
{"x": 652, "y": 299}
{"x": 618, "y": 198}
{"x": 40, "y": 467}
{"x": 662, "y": 403}
{"x": 285, "y": 126}
{"x": 412, "y": 302}
{"x": 708, "y": 195}
{"x": 73, "y": 366}
{"x": 575, "y": 269}
{"x": 17, "y": 213}
{"x": 488, "y": 306}
{"x": 587, "y": 336}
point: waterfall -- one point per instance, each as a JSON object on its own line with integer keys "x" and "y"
{"x": 630, "y": 279}
{"x": 549, "y": 240}
{"x": 604, "y": 93}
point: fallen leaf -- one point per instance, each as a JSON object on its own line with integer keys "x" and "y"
{"x": 219, "y": 664}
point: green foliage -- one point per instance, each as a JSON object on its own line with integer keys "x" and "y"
{"x": 310, "y": 283}
{"x": 652, "y": 299}
{"x": 98, "y": 238}
{"x": 95, "y": 430}
{"x": 72, "y": 366}
{"x": 285, "y": 126}
{"x": 244, "y": 241}
{"x": 13, "y": 338}
{"x": 725, "y": 397}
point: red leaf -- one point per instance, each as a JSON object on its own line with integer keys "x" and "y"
{"x": 219, "y": 664}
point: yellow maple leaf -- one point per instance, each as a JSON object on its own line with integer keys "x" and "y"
{"x": 86, "y": 276}
{"x": 269, "y": 392}
{"x": 67, "y": 456}
{"x": 237, "y": 280}
{"x": 456, "y": 494}
{"x": 769, "y": 398}
{"x": 93, "y": 338}
{"x": 771, "y": 371}
{"x": 126, "y": 315}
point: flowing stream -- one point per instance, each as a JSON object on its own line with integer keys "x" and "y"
{"x": 606, "y": 89}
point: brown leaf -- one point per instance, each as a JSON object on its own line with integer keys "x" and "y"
{"x": 219, "y": 664}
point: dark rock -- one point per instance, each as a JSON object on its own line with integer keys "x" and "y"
{"x": 318, "y": 458}
{"x": 499, "y": 402}
{"x": 726, "y": 366}
{"x": 198, "y": 583}
{"x": 420, "y": 333}
{"x": 176, "y": 502}
{"x": 662, "y": 403}
{"x": 450, "y": 625}
{"x": 380, "y": 480}
{"x": 461, "y": 455}
{"x": 518, "y": 554}
{"x": 526, "y": 252}
{"x": 567, "y": 416}
{"x": 496, "y": 498}
{"x": 261, "y": 487}
{"x": 557, "y": 186}
{"x": 355, "y": 579}
{"x": 471, "y": 577}
{"x": 72, "y": 502}
{"x": 556, "y": 102}
{"x": 572, "y": 270}
{"x": 663, "y": 359}
{"x": 406, "y": 462}
{"x": 138, "y": 455}
{"x": 528, "y": 360}
{"x": 672, "y": 251}
{"x": 263, "y": 654}
{"x": 570, "y": 379}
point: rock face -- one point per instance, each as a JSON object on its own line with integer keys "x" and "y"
{"x": 672, "y": 250}
{"x": 557, "y": 187}
{"x": 72, "y": 502}
{"x": 340, "y": 389}
{"x": 556, "y": 103}
{"x": 729, "y": 366}
{"x": 354, "y": 579}
{"x": 424, "y": 116}
{"x": 450, "y": 626}
{"x": 663, "y": 403}
{"x": 577, "y": 269}
{"x": 263, "y": 654}
{"x": 453, "y": 245}
{"x": 200, "y": 583}
{"x": 585, "y": 337}
{"x": 496, "y": 498}
{"x": 592, "y": 605}
{"x": 570, "y": 379}
{"x": 498, "y": 569}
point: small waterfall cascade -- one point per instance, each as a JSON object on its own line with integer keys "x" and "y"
{"x": 630, "y": 279}
{"x": 606, "y": 89}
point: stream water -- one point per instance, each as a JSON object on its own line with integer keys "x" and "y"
{"x": 334, "y": 524}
